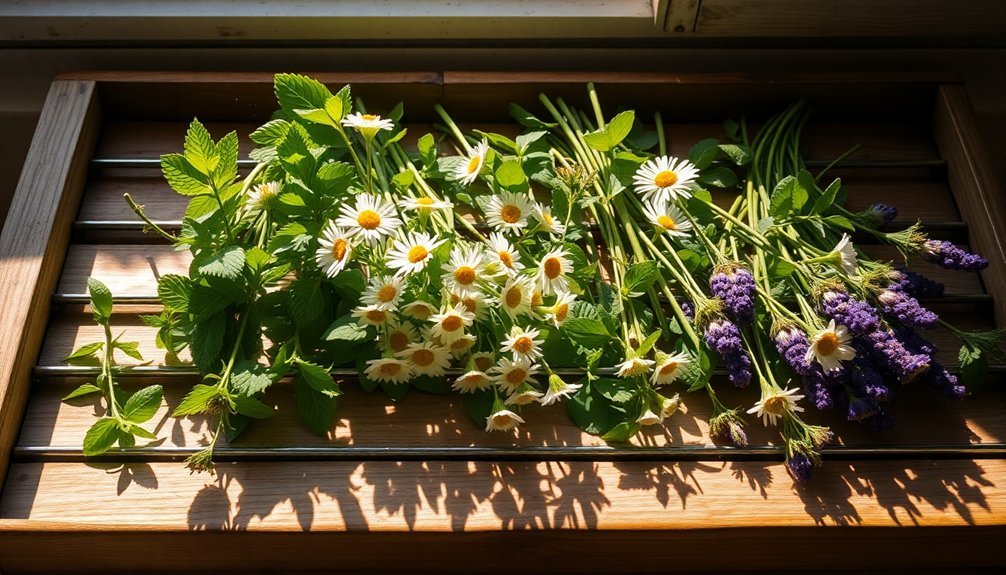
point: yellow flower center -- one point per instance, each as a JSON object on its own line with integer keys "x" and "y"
{"x": 376, "y": 316}
{"x": 510, "y": 214}
{"x": 775, "y": 405}
{"x": 516, "y": 376}
{"x": 523, "y": 344}
{"x": 474, "y": 164}
{"x": 464, "y": 275}
{"x": 665, "y": 179}
{"x": 536, "y": 298}
{"x": 552, "y": 267}
{"x": 506, "y": 258}
{"x": 387, "y": 293}
{"x": 827, "y": 344}
{"x": 669, "y": 368}
{"x": 451, "y": 323}
{"x": 398, "y": 341}
{"x": 370, "y": 117}
{"x": 391, "y": 369}
{"x": 424, "y": 201}
{"x": 461, "y": 344}
{"x": 547, "y": 219}
{"x": 368, "y": 219}
{"x": 483, "y": 363}
{"x": 470, "y": 304}
{"x": 667, "y": 222}
{"x": 422, "y": 357}
{"x": 561, "y": 311}
{"x": 513, "y": 297}
{"x": 339, "y": 249}
{"x": 417, "y": 254}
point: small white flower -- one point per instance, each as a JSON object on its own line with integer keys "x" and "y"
{"x": 649, "y": 418}
{"x": 515, "y": 297}
{"x": 635, "y": 366}
{"x": 502, "y": 420}
{"x": 504, "y": 253}
{"x": 558, "y": 389}
{"x": 470, "y": 168}
{"x": 262, "y": 196}
{"x": 667, "y": 218}
{"x": 552, "y": 270}
{"x": 464, "y": 270}
{"x": 399, "y": 335}
{"x": 474, "y": 302}
{"x": 472, "y": 381}
{"x": 847, "y": 252}
{"x": 426, "y": 358}
{"x": 665, "y": 179}
{"x": 411, "y": 253}
{"x": 370, "y": 218}
{"x": 670, "y": 406}
{"x": 383, "y": 291}
{"x": 523, "y": 342}
{"x": 830, "y": 347}
{"x": 523, "y": 395}
{"x": 669, "y": 367}
{"x": 451, "y": 323}
{"x": 462, "y": 345}
{"x": 334, "y": 250}
{"x": 508, "y": 212}
{"x": 771, "y": 408}
{"x": 510, "y": 375}
{"x": 371, "y": 315}
{"x": 367, "y": 124}
{"x": 483, "y": 360}
{"x": 548, "y": 223}
{"x": 388, "y": 369}
{"x": 419, "y": 309}
{"x": 558, "y": 313}
{"x": 424, "y": 204}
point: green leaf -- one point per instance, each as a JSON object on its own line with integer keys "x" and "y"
{"x": 615, "y": 389}
{"x": 529, "y": 120}
{"x": 500, "y": 142}
{"x": 825, "y": 200}
{"x": 589, "y": 333}
{"x": 427, "y": 149}
{"x": 639, "y": 277}
{"x": 781, "y": 201}
{"x": 479, "y": 406}
{"x": 174, "y": 291}
{"x": 335, "y": 109}
{"x": 524, "y": 141}
{"x": 841, "y": 222}
{"x": 183, "y": 177}
{"x": 697, "y": 372}
{"x": 307, "y": 303}
{"x": 621, "y": 432}
{"x": 197, "y": 400}
{"x": 317, "y": 115}
{"x": 200, "y": 151}
{"x": 101, "y": 300}
{"x": 718, "y": 176}
{"x": 704, "y": 152}
{"x": 296, "y": 92}
{"x": 140, "y": 432}
{"x": 591, "y": 411}
{"x": 431, "y": 384}
{"x": 612, "y": 134}
{"x": 252, "y": 407}
{"x": 143, "y": 404}
{"x": 130, "y": 348}
{"x": 85, "y": 351}
{"x": 741, "y": 155}
{"x": 318, "y": 379}
{"x": 207, "y": 339}
{"x": 271, "y": 133}
{"x": 346, "y": 328}
{"x": 403, "y": 179}
{"x": 316, "y": 410}
{"x": 510, "y": 175}
{"x": 101, "y": 436}
{"x": 227, "y": 169}
{"x": 648, "y": 343}
{"x": 395, "y": 391}
{"x": 85, "y": 389}
{"x": 250, "y": 378}
{"x": 974, "y": 366}
{"x": 226, "y": 263}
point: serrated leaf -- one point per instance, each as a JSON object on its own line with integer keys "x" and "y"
{"x": 318, "y": 115}
{"x": 741, "y": 155}
{"x": 227, "y": 263}
{"x": 346, "y": 328}
{"x": 591, "y": 411}
{"x": 524, "y": 141}
{"x": 826, "y": 199}
{"x": 143, "y": 404}
{"x": 197, "y": 400}
{"x": 297, "y": 92}
{"x": 589, "y": 333}
{"x": 616, "y": 390}
{"x": 270, "y": 133}
{"x": 85, "y": 351}
{"x": 200, "y": 151}
{"x": 316, "y": 410}
{"x": 206, "y": 341}
{"x": 318, "y": 379}
{"x": 101, "y": 300}
{"x": 226, "y": 170}
{"x": 704, "y": 152}
{"x": 250, "y": 378}
{"x": 639, "y": 277}
{"x": 183, "y": 177}
{"x": 252, "y": 407}
{"x": 174, "y": 291}
{"x": 85, "y": 389}
{"x": 617, "y": 129}
{"x": 101, "y": 436}
{"x": 307, "y": 303}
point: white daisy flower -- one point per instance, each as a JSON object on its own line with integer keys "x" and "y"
{"x": 548, "y": 223}
{"x": 523, "y": 342}
{"x": 847, "y": 252}
{"x": 367, "y": 124}
{"x": 262, "y": 196}
{"x": 334, "y": 250}
{"x": 388, "y": 369}
{"x": 474, "y": 302}
{"x": 483, "y": 360}
{"x": 383, "y": 291}
{"x": 670, "y": 406}
{"x": 426, "y": 358}
{"x": 412, "y": 252}
{"x": 424, "y": 204}
{"x": 635, "y": 366}
{"x": 771, "y": 408}
{"x": 667, "y": 218}
{"x": 502, "y": 419}
{"x": 830, "y": 347}
{"x": 558, "y": 312}
{"x": 399, "y": 335}
{"x": 649, "y": 418}
{"x": 665, "y": 179}
{"x": 462, "y": 345}
{"x": 451, "y": 323}
{"x": 669, "y": 367}
{"x": 370, "y": 218}
{"x": 558, "y": 389}
{"x": 371, "y": 315}
{"x": 523, "y": 395}
{"x": 504, "y": 253}
{"x": 464, "y": 269}
{"x": 472, "y": 381}
{"x": 508, "y": 212}
{"x": 470, "y": 168}
{"x": 510, "y": 374}
{"x": 419, "y": 309}
{"x": 552, "y": 272}
{"x": 515, "y": 297}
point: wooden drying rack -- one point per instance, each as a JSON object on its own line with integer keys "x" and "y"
{"x": 416, "y": 485}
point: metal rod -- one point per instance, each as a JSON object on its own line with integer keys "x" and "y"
{"x": 531, "y": 453}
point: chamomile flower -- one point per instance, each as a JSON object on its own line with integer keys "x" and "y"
{"x": 830, "y": 347}
{"x": 367, "y": 124}
{"x": 399, "y": 335}
{"x": 462, "y": 345}
{"x": 371, "y": 315}
{"x": 847, "y": 252}
{"x": 508, "y": 212}
{"x": 470, "y": 168}
{"x": 464, "y": 269}
{"x": 665, "y": 179}
{"x": 426, "y": 358}
{"x": 548, "y": 222}
{"x": 558, "y": 312}
{"x": 370, "y": 218}
{"x": 388, "y": 369}
{"x": 510, "y": 374}
{"x": 523, "y": 395}
{"x": 262, "y": 196}
{"x": 474, "y": 302}
{"x": 411, "y": 253}
{"x": 771, "y": 408}
{"x": 558, "y": 389}
{"x": 552, "y": 270}
{"x": 670, "y": 406}
{"x": 502, "y": 419}
{"x": 383, "y": 291}
{"x": 419, "y": 309}
{"x": 648, "y": 417}
{"x": 451, "y": 323}
{"x": 334, "y": 250}
{"x": 667, "y": 218}
{"x": 424, "y": 204}
{"x": 483, "y": 360}
{"x": 504, "y": 254}
{"x": 515, "y": 297}
{"x": 523, "y": 342}
{"x": 472, "y": 381}
{"x": 669, "y": 367}
{"x": 634, "y": 366}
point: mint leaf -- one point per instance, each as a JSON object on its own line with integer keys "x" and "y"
{"x": 130, "y": 348}
{"x": 143, "y": 404}
{"x": 316, "y": 410}
{"x": 250, "y": 378}
{"x": 226, "y": 263}
{"x": 591, "y": 411}
{"x": 639, "y": 278}
{"x": 85, "y": 352}
{"x": 198, "y": 400}
{"x": 296, "y": 92}
{"x": 704, "y": 152}
{"x": 101, "y": 436}
{"x": 200, "y": 151}
{"x": 270, "y": 133}
{"x": 612, "y": 134}
{"x": 183, "y": 177}
{"x": 173, "y": 291}
{"x": 252, "y": 407}
{"x": 318, "y": 379}
{"x": 101, "y": 300}
{"x": 511, "y": 176}
{"x": 85, "y": 389}
{"x": 346, "y": 328}
{"x": 589, "y": 333}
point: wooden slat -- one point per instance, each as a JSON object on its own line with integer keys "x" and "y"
{"x": 35, "y": 236}
{"x": 979, "y": 192}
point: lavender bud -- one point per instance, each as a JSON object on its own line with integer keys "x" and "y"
{"x": 735, "y": 286}
{"x": 867, "y": 381}
{"x": 906, "y": 309}
{"x": 944, "y": 382}
{"x": 723, "y": 337}
{"x": 913, "y": 284}
{"x": 859, "y": 317}
{"x": 861, "y": 409}
{"x": 946, "y": 254}
{"x": 892, "y": 355}
{"x": 881, "y": 213}
{"x": 688, "y": 308}
{"x": 800, "y": 466}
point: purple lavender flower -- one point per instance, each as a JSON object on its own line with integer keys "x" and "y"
{"x": 944, "y": 382}
{"x": 688, "y": 308}
{"x": 861, "y": 409}
{"x": 946, "y": 254}
{"x": 736, "y": 287}
{"x": 914, "y": 284}
{"x": 800, "y": 466}
{"x": 906, "y": 309}
{"x": 867, "y": 380}
{"x": 792, "y": 344}
{"x": 914, "y": 342}
{"x": 724, "y": 337}
{"x": 859, "y": 317}
{"x": 818, "y": 388}
{"x": 888, "y": 350}
{"x": 881, "y": 213}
